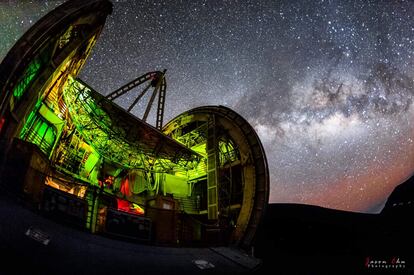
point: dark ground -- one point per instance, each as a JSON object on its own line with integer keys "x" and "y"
{"x": 71, "y": 251}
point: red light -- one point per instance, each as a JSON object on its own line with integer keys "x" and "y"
{"x": 129, "y": 207}
{"x": 2, "y": 120}
{"x": 125, "y": 187}
{"x": 123, "y": 205}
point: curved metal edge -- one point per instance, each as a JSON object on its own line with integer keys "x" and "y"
{"x": 18, "y": 57}
{"x": 261, "y": 173}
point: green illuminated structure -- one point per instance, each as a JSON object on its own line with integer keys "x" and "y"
{"x": 78, "y": 156}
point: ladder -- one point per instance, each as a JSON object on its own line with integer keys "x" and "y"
{"x": 212, "y": 173}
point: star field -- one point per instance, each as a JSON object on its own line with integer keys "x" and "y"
{"x": 328, "y": 85}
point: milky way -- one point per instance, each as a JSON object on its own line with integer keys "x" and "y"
{"x": 328, "y": 85}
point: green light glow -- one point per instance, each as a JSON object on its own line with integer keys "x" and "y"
{"x": 42, "y": 128}
{"x": 29, "y": 74}
{"x": 41, "y": 133}
{"x": 30, "y": 119}
{"x": 200, "y": 148}
{"x": 50, "y": 116}
{"x": 90, "y": 163}
{"x": 175, "y": 185}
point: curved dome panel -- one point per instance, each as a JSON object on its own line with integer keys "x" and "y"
{"x": 237, "y": 168}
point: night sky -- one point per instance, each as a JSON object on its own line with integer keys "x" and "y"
{"x": 328, "y": 85}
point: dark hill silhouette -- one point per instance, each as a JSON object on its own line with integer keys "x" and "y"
{"x": 306, "y": 239}
{"x": 401, "y": 200}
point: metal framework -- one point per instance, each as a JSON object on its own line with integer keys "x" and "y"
{"x": 121, "y": 138}
{"x": 157, "y": 81}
